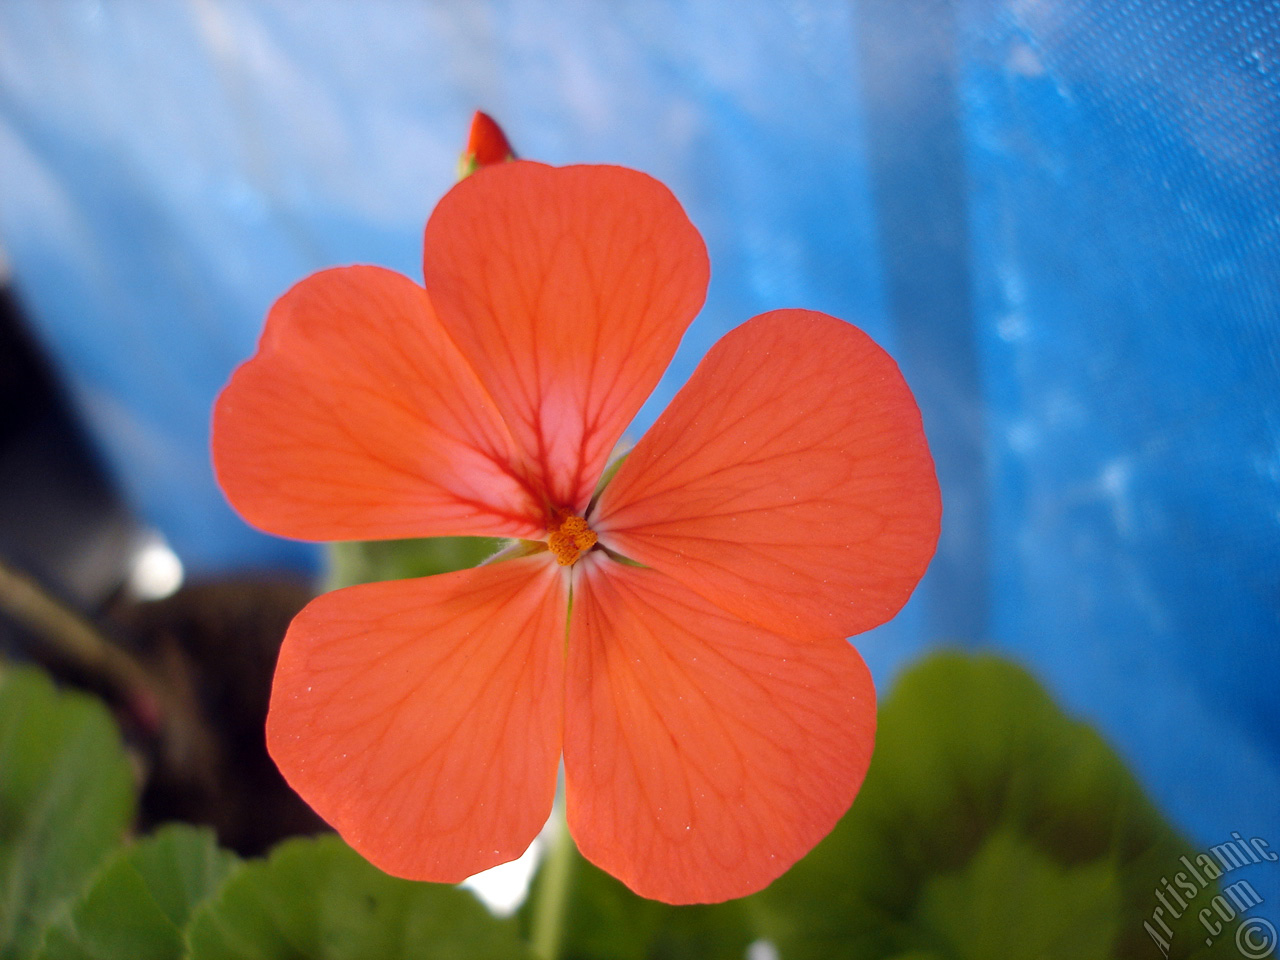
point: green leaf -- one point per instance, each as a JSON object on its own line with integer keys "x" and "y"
{"x": 990, "y": 825}
{"x": 140, "y": 901}
{"x": 66, "y": 798}
{"x": 603, "y": 920}
{"x": 367, "y": 561}
{"x": 982, "y": 910}
{"x": 317, "y": 899}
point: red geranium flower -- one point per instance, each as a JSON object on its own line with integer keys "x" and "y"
{"x": 679, "y": 639}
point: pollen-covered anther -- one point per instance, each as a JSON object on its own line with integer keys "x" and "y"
{"x": 570, "y": 538}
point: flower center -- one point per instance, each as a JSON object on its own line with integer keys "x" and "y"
{"x": 569, "y": 538}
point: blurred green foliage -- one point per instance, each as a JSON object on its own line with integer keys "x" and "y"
{"x": 138, "y": 905}
{"x": 602, "y": 918}
{"x": 317, "y": 898}
{"x": 367, "y": 561}
{"x": 991, "y": 825}
{"x": 66, "y": 799}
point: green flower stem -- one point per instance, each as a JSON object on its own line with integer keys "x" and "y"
{"x": 548, "y": 909}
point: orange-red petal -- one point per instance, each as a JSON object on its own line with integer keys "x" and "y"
{"x": 703, "y": 755}
{"x": 358, "y": 419}
{"x": 568, "y": 290}
{"x": 422, "y": 718}
{"x": 789, "y": 482}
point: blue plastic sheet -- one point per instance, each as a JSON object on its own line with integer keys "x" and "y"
{"x": 1062, "y": 217}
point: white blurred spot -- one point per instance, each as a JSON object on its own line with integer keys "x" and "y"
{"x": 1025, "y": 61}
{"x": 1023, "y": 437}
{"x": 1012, "y": 326}
{"x": 1114, "y": 482}
{"x": 504, "y": 887}
{"x": 156, "y": 571}
{"x": 762, "y": 950}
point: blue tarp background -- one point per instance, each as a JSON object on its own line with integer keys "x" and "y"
{"x": 1063, "y": 217}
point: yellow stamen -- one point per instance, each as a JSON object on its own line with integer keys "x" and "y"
{"x": 569, "y": 538}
